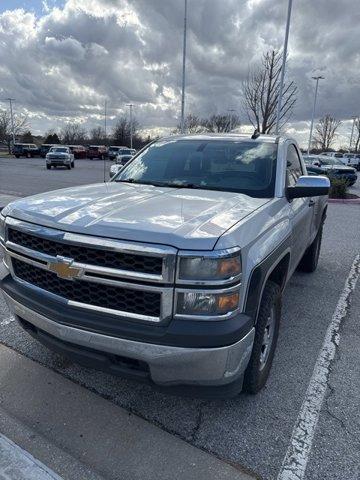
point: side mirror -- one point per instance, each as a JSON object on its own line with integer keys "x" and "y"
{"x": 317, "y": 164}
{"x": 309, "y": 186}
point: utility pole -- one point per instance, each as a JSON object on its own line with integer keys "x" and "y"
{"x": 10, "y": 100}
{"x": 105, "y": 115}
{"x": 131, "y": 124}
{"x": 313, "y": 111}
{"x": 182, "y": 125}
{"x": 231, "y": 112}
{"x": 279, "y": 104}
{"x": 352, "y": 133}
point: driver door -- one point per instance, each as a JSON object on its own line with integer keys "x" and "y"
{"x": 301, "y": 209}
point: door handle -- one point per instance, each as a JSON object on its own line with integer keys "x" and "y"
{"x": 311, "y": 202}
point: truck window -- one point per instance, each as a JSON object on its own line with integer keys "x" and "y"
{"x": 246, "y": 167}
{"x": 294, "y": 170}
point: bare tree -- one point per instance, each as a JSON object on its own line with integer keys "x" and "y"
{"x": 73, "y": 134}
{"x": 261, "y": 93}
{"x": 122, "y": 129}
{"x": 97, "y": 136}
{"x": 193, "y": 124}
{"x": 325, "y": 132}
{"x": 20, "y": 125}
{"x": 222, "y": 123}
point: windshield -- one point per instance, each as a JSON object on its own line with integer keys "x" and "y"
{"x": 59, "y": 149}
{"x": 235, "y": 166}
{"x": 329, "y": 161}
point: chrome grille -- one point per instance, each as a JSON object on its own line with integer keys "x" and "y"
{"x": 105, "y": 296}
{"x": 90, "y": 256}
{"x": 127, "y": 279}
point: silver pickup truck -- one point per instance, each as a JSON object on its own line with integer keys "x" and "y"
{"x": 173, "y": 272}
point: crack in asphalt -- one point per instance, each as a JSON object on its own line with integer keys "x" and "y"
{"x": 199, "y": 420}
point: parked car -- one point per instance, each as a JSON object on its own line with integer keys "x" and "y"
{"x": 351, "y": 160}
{"x": 114, "y": 169}
{"x": 28, "y": 150}
{"x": 96, "y": 151}
{"x": 60, "y": 156}
{"x": 79, "y": 151}
{"x": 123, "y": 159}
{"x": 172, "y": 273}
{"x": 44, "y": 148}
{"x": 331, "y": 167}
{"x": 113, "y": 150}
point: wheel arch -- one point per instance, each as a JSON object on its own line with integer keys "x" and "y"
{"x": 274, "y": 267}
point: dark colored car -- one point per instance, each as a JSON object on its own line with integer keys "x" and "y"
{"x": 113, "y": 150}
{"x": 44, "y": 149}
{"x": 312, "y": 170}
{"x": 27, "y": 150}
{"x": 96, "y": 151}
{"x": 79, "y": 151}
{"x": 321, "y": 165}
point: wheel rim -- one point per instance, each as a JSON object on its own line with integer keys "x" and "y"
{"x": 267, "y": 338}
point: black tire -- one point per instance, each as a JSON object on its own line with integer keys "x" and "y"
{"x": 261, "y": 359}
{"x": 17, "y": 156}
{"x": 73, "y": 165}
{"x": 48, "y": 167}
{"x": 68, "y": 167}
{"x": 310, "y": 259}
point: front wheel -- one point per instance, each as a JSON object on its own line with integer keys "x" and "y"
{"x": 266, "y": 334}
{"x": 310, "y": 260}
{"x": 48, "y": 167}
{"x": 73, "y": 165}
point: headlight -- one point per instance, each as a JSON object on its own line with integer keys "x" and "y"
{"x": 207, "y": 303}
{"x": 2, "y": 228}
{"x": 220, "y": 267}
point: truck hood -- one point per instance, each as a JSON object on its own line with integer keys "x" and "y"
{"x": 183, "y": 218}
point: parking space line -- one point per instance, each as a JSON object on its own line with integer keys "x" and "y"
{"x": 298, "y": 452}
{"x": 18, "y": 464}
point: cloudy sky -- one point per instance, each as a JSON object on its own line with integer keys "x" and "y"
{"x": 61, "y": 59}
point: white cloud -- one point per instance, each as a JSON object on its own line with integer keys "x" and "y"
{"x": 65, "y": 64}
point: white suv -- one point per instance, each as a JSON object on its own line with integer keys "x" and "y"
{"x": 60, "y": 156}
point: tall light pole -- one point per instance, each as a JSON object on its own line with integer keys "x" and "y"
{"x": 279, "y": 104}
{"x": 10, "y": 100}
{"x": 313, "y": 111}
{"x": 231, "y": 112}
{"x": 352, "y": 133}
{"x": 105, "y": 114}
{"x": 105, "y": 120}
{"x": 131, "y": 124}
{"x": 182, "y": 125}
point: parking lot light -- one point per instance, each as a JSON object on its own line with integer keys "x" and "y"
{"x": 182, "y": 127}
{"x": 313, "y": 112}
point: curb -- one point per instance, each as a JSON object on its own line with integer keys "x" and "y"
{"x": 353, "y": 201}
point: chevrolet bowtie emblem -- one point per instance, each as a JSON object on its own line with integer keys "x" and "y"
{"x": 63, "y": 269}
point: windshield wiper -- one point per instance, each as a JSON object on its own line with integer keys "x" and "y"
{"x": 183, "y": 185}
{"x": 132, "y": 180}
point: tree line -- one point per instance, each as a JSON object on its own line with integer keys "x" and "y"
{"x": 260, "y": 95}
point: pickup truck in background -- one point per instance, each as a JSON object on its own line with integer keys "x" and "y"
{"x": 172, "y": 273}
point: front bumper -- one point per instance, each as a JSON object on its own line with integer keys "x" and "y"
{"x": 168, "y": 365}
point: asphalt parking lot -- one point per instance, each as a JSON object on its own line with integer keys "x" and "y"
{"x": 252, "y": 432}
